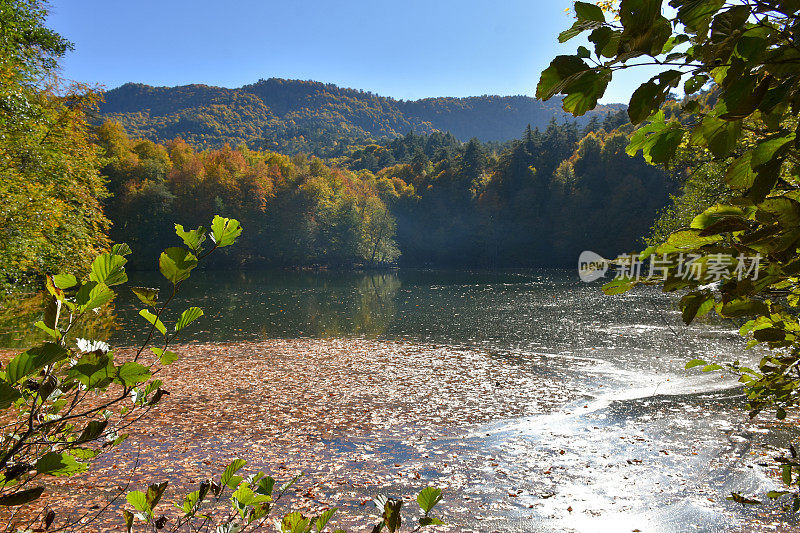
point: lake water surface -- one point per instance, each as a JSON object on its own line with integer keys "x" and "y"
{"x": 638, "y": 443}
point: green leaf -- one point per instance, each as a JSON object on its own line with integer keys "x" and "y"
{"x": 94, "y": 370}
{"x": 192, "y": 238}
{"x": 59, "y": 464}
{"x": 743, "y": 307}
{"x": 224, "y": 231}
{"x": 720, "y": 136}
{"x": 93, "y": 430}
{"x": 696, "y": 14}
{"x": 131, "y": 373}
{"x": 695, "y": 362}
{"x": 154, "y": 493}
{"x": 562, "y": 70}
{"x": 128, "y": 517}
{"x": 648, "y": 97}
{"x": 65, "y": 281}
{"x": 695, "y": 304}
{"x": 428, "y": 498}
{"x": 146, "y": 295}
{"x": 586, "y": 11}
{"x": 618, "y": 286}
{"x": 229, "y": 477}
{"x": 138, "y": 499}
{"x": 430, "y": 521}
{"x": 166, "y": 357}
{"x": 33, "y": 360}
{"x": 584, "y": 91}
{"x": 391, "y": 514}
{"x": 8, "y": 395}
{"x": 92, "y": 295}
{"x": 109, "y": 269}
{"x": 21, "y": 497}
{"x": 711, "y": 367}
{"x": 324, "y": 518}
{"x": 187, "y": 317}
{"x": 176, "y": 264}
{"x": 121, "y": 249}
{"x": 715, "y": 214}
{"x": 153, "y": 319}
{"x": 294, "y": 523}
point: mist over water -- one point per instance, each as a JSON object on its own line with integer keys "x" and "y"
{"x": 639, "y": 442}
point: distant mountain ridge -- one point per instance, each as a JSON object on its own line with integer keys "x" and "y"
{"x": 296, "y": 115}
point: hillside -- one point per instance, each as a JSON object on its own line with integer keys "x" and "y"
{"x": 294, "y": 115}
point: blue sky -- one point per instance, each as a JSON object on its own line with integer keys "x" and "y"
{"x": 410, "y": 49}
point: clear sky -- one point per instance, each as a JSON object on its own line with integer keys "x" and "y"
{"x": 408, "y": 49}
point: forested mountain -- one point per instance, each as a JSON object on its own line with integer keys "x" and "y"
{"x": 292, "y": 116}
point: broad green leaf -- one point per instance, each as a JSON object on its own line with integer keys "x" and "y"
{"x": 743, "y": 307}
{"x": 33, "y": 360}
{"x": 59, "y": 464}
{"x": 711, "y": 367}
{"x": 8, "y": 395}
{"x": 649, "y": 96}
{"x": 154, "y": 493}
{"x": 618, "y": 286}
{"x": 324, "y": 518}
{"x": 715, "y": 214}
{"x": 166, "y": 357}
{"x": 224, "y": 231}
{"x": 192, "y": 238}
{"x": 584, "y": 91}
{"x": 121, "y": 249}
{"x": 428, "y": 498}
{"x": 132, "y": 373}
{"x": 187, "y": 317}
{"x": 146, "y": 295}
{"x": 176, "y": 264}
{"x": 153, "y": 319}
{"x": 93, "y": 430}
{"x": 695, "y": 304}
{"x": 562, "y": 71}
{"x": 94, "y": 370}
{"x": 138, "y": 499}
{"x": 128, "y": 517}
{"x": 720, "y": 136}
{"x": 229, "y": 477}
{"x": 391, "y": 514}
{"x": 294, "y": 522}
{"x": 430, "y": 521}
{"x": 21, "y": 497}
{"x": 92, "y": 295}
{"x": 65, "y": 281}
{"x": 696, "y": 14}
{"x": 695, "y": 362}
{"x": 586, "y": 11}
{"x": 109, "y": 269}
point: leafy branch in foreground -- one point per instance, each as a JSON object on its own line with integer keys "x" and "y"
{"x": 68, "y": 400}
{"x": 747, "y": 54}
{"x": 251, "y": 500}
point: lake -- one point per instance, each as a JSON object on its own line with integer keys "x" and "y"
{"x": 593, "y": 419}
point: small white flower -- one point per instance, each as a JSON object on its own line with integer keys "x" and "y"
{"x": 86, "y": 345}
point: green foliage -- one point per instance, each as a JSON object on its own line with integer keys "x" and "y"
{"x": 748, "y": 131}
{"x": 251, "y": 500}
{"x": 50, "y": 216}
{"x": 43, "y": 392}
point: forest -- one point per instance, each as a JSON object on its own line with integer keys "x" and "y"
{"x": 417, "y": 200}
{"x": 294, "y": 116}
